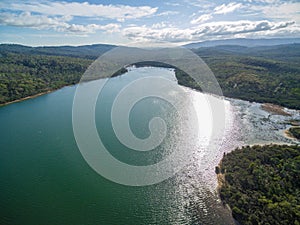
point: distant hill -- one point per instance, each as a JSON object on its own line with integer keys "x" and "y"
{"x": 84, "y": 51}
{"x": 286, "y": 52}
{"x": 261, "y": 74}
{"x": 244, "y": 42}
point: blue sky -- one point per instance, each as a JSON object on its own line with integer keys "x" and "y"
{"x": 72, "y": 22}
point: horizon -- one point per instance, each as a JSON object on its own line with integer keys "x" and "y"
{"x": 78, "y": 22}
{"x": 79, "y": 45}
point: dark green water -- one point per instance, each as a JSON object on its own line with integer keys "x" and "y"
{"x": 45, "y": 180}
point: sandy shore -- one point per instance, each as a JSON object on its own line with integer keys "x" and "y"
{"x": 28, "y": 97}
{"x": 274, "y": 109}
{"x": 220, "y": 178}
{"x": 288, "y": 134}
{"x": 34, "y": 96}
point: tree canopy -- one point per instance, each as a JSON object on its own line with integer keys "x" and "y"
{"x": 262, "y": 184}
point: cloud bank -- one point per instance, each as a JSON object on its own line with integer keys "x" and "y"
{"x": 85, "y": 9}
{"x": 58, "y": 23}
{"x": 176, "y": 21}
{"x": 203, "y": 31}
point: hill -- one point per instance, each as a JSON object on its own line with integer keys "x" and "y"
{"x": 262, "y": 74}
{"x": 244, "y": 42}
{"x": 84, "y": 51}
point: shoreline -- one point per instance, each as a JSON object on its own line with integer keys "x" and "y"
{"x": 220, "y": 177}
{"x": 274, "y": 109}
{"x": 27, "y": 98}
{"x": 289, "y": 135}
{"x": 36, "y": 95}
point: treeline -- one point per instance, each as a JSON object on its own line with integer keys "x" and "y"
{"x": 84, "y": 51}
{"x": 258, "y": 79}
{"x": 264, "y": 74}
{"x": 262, "y": 184}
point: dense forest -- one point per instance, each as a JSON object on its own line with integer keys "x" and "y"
{"x": 262, "y": 74}
{"x": 271, "y": 74}
{"x": 261, "y": 184}
{"x": 26, "y": 75}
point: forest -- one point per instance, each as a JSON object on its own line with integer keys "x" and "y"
{"x": 26, "y": 75}
{"x": 261, "y": 184}
{"x": 262, "y": 75}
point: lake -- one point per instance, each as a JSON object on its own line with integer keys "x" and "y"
{"x": 44, "y": 179}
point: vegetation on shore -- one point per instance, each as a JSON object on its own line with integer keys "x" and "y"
{"x": 22, "y": 76}
{"x": 262, "y": 76}
{"x": 262, "y": 184}
{"x": 295, "y": 132}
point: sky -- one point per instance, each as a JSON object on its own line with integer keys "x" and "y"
{"x": 121, "y": 22}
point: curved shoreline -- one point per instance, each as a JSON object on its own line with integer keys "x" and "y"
{"x": 289, "y": 135}
{"x": 35, "y": 96}
{"x": 27, "y": 98}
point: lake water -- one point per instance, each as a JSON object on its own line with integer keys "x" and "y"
{"x": 45, "y": 180}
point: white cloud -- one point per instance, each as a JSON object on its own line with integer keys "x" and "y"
{"x": 167, "y": 13}
{"x": 90, "y": 28}
{"x": 159, "y": 25}
{"x": 85, "y": 9}
{"x": 202, "y": 18}
{"x": 286, "y": 10}
{"x": 290, "y": 31}
{"x": 197, "y": 19}
{"x": 172, "y": 3}
{"x": 60, "y": 23}
{"x": 264, "y": 1}
{"x": 213, "y": 29}
{"x": 221, "y": 9}
{"x": 202, "y": 4}
{"x": 244, "y": 26}
{"x": 224, "y": 9}
{"x": 26, "y": 19}
{"x": 153, "y": 34}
